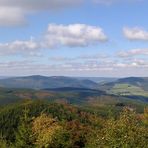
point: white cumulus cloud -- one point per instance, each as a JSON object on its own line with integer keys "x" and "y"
{"x": 135, "y": 34}
{"x": 74, "y": 35}
{"x": 57, "y": 36}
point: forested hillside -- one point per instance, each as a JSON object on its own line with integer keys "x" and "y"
{"x": 55, "y": 125}
{"x": 113, "y": 115}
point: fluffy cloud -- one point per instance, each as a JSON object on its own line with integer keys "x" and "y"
{"x": 27, "y": 48}
{"x": 135, "y": 34}
{"x": 133, "y": 52}
{"x": 13, "y": 12}
{"x": 74, "y": 35}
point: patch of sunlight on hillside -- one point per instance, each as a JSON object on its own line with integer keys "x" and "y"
{"x": 126, "y": 89}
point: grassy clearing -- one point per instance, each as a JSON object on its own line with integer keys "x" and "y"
{"x": 126, "y": 89}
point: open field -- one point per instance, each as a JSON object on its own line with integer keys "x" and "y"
{"x": 126, "y": 90}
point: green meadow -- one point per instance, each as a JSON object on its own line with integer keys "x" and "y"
{"x": 126, "y": 89}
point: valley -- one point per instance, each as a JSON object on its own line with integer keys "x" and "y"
{"x": 38, "y": 107}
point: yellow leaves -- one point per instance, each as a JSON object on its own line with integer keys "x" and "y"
{"x": 44, "y": 129}
{"x": 126, "y": 131}
{"x": 145, "y": 115}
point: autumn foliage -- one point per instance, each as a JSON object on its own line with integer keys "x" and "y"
{"x": 43, "y": 125}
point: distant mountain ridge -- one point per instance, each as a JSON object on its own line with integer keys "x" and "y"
{"x": 41, "y": 82}
{"x": 72, "y": 90}
{"x": 52, "y": 82}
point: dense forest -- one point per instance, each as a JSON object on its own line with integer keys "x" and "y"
{"x": 42, "y": 124}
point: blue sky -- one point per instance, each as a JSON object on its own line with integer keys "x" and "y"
{"x": 74, "y": 38}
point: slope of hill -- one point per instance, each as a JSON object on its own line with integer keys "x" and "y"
{"x": 135, "y": 81}
{"x": 67, "y": 94}
{"x": 73, "y": 91}
{"x": 41, "y": 82}
{"x": 30, "y": 124}
{"x": 132, "y": 87}
{"x": 94, "y": 100}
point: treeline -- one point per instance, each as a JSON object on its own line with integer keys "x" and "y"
{"x": 38, "y": 124}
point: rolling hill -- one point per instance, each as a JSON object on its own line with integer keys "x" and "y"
{"x": 90, "y": 99}
{"x": 135, "y": 81}
{"x": 132, "y": 87}
{"x": 42, "y": 82}
{"x": 65, "y": 94}
{"x": 72, "y": 90}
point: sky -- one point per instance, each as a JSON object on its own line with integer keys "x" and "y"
{"x": 95, "y": 38}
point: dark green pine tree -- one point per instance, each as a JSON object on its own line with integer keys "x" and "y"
{"x": 24, "y": 136}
